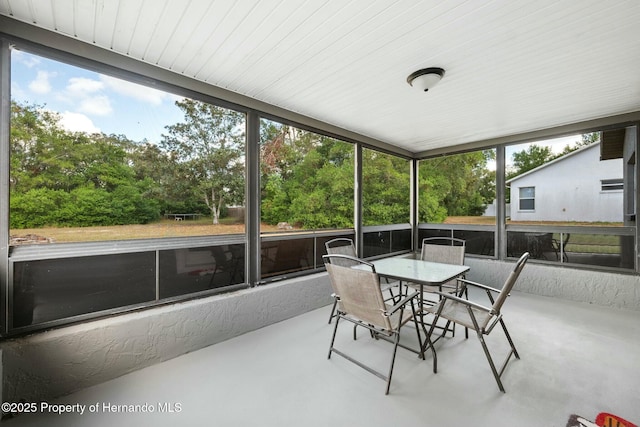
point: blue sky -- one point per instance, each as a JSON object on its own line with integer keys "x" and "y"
{"x": 92, "y": 102}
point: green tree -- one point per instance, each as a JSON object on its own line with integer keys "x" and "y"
{"x": 585, "y": 139}
{"x": 457, "y": 185}
{"x": 67, "y": 178}
{"x": 537, "y": 155}
{"x": 307, "y": 178}
{"x": 321, "y": 186}
{"x": 529, "y": 159}
{"x": 207, "y": 153}
{"x": 385, "y": 189}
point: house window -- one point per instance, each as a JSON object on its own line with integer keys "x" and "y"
{"x": 527, "y": 198}
{"x": 612, "y": 184}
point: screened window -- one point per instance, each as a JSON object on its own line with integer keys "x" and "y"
{"x": 569, "y": 209}
{"x": 385, "y": 203}
{"x": 307, "y": 191}
{"x": 456, "y": 193}
{"x": 95, "y": 158}
{"x": 458, "y": 189}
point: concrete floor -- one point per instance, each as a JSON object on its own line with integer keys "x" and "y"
{"x": 575, "y": 359}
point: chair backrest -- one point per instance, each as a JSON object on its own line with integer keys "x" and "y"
{"x": 508, "y": 285}
{"x": 341, "y": 246}
{"x": 358, "y": 290}
{"x": 451, "y": 253}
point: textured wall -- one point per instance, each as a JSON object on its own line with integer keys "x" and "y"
{"x": 594, "y": 287}
{"x": 57, "y": 362}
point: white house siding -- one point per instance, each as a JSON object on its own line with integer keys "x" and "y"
{"x": 569, "y": 189}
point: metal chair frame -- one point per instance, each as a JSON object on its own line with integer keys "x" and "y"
{"x": 346, "y": 243}
{"x": 458, "y": 290}
{"x": 329, "y": 245}
{"x": 491, "y": 315}
{"x": 382, "y": 329}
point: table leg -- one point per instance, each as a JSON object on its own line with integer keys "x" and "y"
{"x": 427, "y": 338}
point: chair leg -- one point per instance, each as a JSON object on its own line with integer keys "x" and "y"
{"x": 333, "y": 338}
{"x": 333, "y": 310}
{"x": 513, "y": 347}
{"x": 490, "y": 360}
{"x": 393, "y": 359}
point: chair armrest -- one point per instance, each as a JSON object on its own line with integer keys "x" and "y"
{"x": 402, "y": 303}
{"x": 479, "y": 285}
{"x": 464, "y": 301}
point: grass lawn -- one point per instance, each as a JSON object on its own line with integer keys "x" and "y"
{"x": 490, "y": 220}
{"x": 204, "y": 227}
{"x": 162, "y": 228}
{"x": 583, "y": 243}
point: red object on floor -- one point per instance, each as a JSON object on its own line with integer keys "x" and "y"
{"x": 609, "y": 420}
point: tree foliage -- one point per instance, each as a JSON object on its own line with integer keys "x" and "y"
{"x": 307, "y": 178}
{"x": 71, "y": 179}
{"x": 385, "y": 189}
{"x": 208, "y": 149}
{"x": 62, "y": 178}
{"x": 457, "y": 185}
{"x": 529, "y": 159}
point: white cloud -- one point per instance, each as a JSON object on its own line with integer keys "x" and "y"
{"x": 41, "y": 84}
{"x": 96, "y": 105}
{"x": 17, "y": 92}
{"x": 136, "y": 91}
{"x": 76, "y": 122}
{"x": 80, "y": 86}
{"x": 27, "y": 60}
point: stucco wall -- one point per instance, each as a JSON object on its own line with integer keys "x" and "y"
{"x": 593, "y": 287}
{"x": 57, "y": 362}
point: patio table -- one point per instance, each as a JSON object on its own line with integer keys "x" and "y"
{"x": 410, "y": 269}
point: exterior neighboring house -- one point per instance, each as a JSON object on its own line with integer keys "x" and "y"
{"x": 575, "y": 187}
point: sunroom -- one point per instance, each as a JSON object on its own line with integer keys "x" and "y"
{"x": 171, "y": 171}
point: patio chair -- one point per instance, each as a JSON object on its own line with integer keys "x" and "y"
{"x": 340, "y": 246}
{"x": 448, "y": 250}
{"x": 360, "y": 302}
{"x": 482, "y": 319}
{"x": 344, "y": 246}
{"x": 452, "y": 252}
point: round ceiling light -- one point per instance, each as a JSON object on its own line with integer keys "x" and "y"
{"x": 426, "y": 78}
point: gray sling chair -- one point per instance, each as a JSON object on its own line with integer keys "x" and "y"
{"x": 344, "y": 246}
{"x": 479, "y": 318}
{"x": 360, "y": 302}
{"x": 448, "y": 250}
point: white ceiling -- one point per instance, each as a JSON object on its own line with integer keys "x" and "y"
{"x": 512, "y": 66}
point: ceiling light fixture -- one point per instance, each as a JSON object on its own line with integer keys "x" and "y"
{"x": 426, "y": 78}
